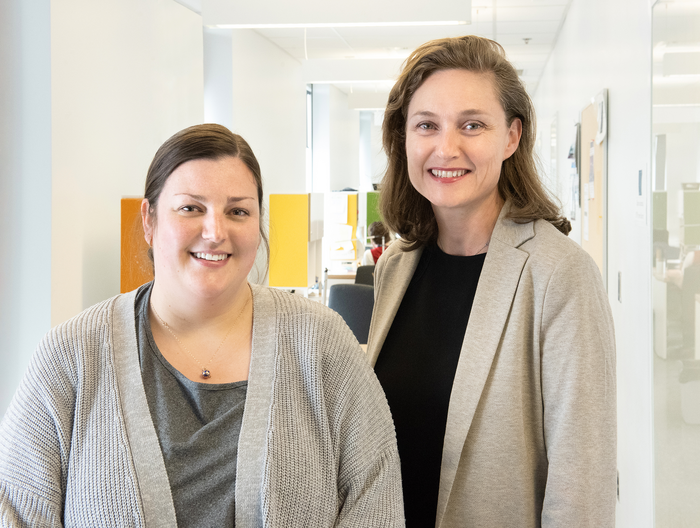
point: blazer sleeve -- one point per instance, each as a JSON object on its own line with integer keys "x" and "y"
{"x": 34, "y": 435}
{"x": 579, "y": 397}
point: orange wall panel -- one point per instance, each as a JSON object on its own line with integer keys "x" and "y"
{"x": 136, "y": 267}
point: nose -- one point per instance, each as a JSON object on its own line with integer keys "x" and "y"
{"x": 213, "y": 228}
{"x": 448, "y": 144}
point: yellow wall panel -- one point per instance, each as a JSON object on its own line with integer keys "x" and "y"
{"x": 289, "y": 237}
{"x": 352, "y": 220}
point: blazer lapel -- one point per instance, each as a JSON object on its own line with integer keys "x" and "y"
{"x": 394, "y": 275}
{"x": 492, "y": 302}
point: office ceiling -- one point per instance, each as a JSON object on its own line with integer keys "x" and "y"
{"x": 527, "y": 29}
{"x": 676, "y": 57}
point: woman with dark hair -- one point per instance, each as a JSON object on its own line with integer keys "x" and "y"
{"x": 491, "y": 334}
{"x": 200, "y": 399}
{"x": 380, "y": 237}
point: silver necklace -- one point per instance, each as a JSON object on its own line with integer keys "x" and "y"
{"x": 483, "y": 248}
{"x": 206, "y": 373}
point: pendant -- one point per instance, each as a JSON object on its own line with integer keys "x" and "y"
{"x": 206, "y": 374}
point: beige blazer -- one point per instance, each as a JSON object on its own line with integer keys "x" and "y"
{"x": 531, "y": 426}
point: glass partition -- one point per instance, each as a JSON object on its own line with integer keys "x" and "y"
{"x": 676, "y": 258}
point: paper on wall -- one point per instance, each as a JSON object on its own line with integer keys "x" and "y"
{"x": 337, "y": 208}
{"x": 591, "y": 173}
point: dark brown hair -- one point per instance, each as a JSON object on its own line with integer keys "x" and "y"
{"x": 405, "y": 210}
{"x": 208, "y": 141}
{"x": 378, "y": 231}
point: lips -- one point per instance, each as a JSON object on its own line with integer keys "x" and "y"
{"x": 211, "y": 256}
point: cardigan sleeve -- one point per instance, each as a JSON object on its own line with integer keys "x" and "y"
{"x": 34, "y": 438}
{"x": 579, "y": 397}
{"x": 369, "y": 477}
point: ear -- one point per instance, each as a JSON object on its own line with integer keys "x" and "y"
{"x": 514, "y": 133}
{"x": 147, "y": 221}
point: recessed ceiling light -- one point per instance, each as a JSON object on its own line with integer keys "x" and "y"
{"x": 340, "y": 25}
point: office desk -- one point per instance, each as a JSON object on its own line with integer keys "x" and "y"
{"x": 342, "y": 276}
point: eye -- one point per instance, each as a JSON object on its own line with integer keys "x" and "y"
{"x": 239, "y": 212}
{"x": 473, "y": 126}
{"x": 189, "y": 208}
{"x": 425, "y": 126}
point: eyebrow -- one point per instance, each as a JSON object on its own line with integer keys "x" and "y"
{"x": 231, "y": 199}
{"x": 464, "y": 113}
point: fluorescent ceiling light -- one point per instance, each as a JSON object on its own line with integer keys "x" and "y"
{"x": 340, "y": 25}
{"x": 677, "y": 105}
{"x": 690, "y": 78}
{"x": 663, "y": 47}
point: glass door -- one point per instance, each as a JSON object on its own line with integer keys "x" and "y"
{"x": 676, "y": 258}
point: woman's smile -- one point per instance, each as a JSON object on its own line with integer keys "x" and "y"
{"x": 448, "y": 175}
{"x": 211, "y": 256}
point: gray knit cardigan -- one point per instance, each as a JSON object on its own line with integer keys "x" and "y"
{"x": 317, "y": 445}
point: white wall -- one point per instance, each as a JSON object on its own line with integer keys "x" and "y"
{"x": 25, "y": 185}
{"x": 119, "y": 89}
{"x": 607, "y": 44}
{"x": 269, "y": 110}
{"x": 344, "y": 142}
{"x": 379, "y": 159}
{"x": 321, "y": 138}
{"x": 366, "y": 118}
{"x": 218, "y": 77}
{"x": 373, "y": 161}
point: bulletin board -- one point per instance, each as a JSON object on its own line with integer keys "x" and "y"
{"x": 593, "y": 146}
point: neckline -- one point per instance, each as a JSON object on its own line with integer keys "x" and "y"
{"x": 191, "y": 384}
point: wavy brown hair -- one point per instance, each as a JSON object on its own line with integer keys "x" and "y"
{"x": 404, "y": 209}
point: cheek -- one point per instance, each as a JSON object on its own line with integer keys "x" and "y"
{"x": 249, "y": 238}
{"x": 414, "y": 153}
{"x": 170, "y": 236}
{"x": 415, "y": 160}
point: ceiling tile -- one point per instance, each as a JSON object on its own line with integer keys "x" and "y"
{"x": 531, "y": 13}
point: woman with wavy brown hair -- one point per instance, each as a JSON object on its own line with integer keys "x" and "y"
{"x": 492, "y": 334}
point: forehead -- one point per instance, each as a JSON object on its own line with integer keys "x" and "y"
{"x": 457, "y": 90}
{"x": 227, "y": 175}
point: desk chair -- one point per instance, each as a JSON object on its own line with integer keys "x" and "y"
{"x": 354, "y": 302}
{"x": 365, "y": 275}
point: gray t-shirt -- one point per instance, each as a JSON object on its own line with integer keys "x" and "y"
{"x": 198, "y": 426}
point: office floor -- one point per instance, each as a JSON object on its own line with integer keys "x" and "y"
{"x": 676, "y": 445}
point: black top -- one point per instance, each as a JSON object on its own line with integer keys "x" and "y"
{"x": 198, "y": 425}
{"x": 416, "y": 368}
